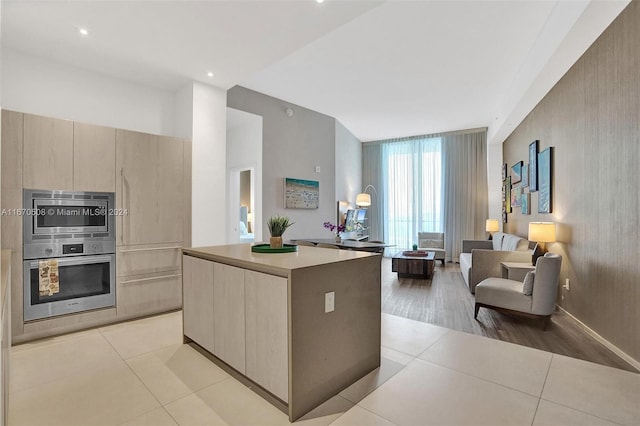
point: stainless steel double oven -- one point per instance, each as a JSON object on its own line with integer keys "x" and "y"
{"x": 69, "y": 252}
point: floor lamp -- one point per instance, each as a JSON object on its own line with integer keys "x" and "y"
{"x": 363, "y": 199}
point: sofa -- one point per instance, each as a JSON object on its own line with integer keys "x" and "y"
{"x": 432, "y": 241}
{"x": 481, "y": 259}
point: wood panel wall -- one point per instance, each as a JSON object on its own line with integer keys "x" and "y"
{"x": 592, "y": 119}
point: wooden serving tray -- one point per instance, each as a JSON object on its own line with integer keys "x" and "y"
{"x": 412, "y": 253}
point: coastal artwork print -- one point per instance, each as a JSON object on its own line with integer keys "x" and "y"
{"x": 545, "y": 199}
{"x": 301, "y": 193}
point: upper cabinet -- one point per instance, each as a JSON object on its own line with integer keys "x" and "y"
{"x": 47, "y": 153}
{"x": 12, "y": 128}
{"x": 150, "y": 187}
{"x": 94, "y": 158}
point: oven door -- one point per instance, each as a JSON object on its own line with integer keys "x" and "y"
{"x": 66, "y": 285}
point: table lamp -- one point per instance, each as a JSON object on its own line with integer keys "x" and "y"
{"x": 541, "y": 233}
{"x": 491, "y": 227}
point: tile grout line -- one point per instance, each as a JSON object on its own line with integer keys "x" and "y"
{"x": 477, "y": 377}
{"x": 137, "y": 377}
{"x": 546, "y": 376}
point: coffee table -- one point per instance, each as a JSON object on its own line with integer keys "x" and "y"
{"x": 413, "y": 266}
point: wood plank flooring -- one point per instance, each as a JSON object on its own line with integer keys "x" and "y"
{"x": 445, "y": 300}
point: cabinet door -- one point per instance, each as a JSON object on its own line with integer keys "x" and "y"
{"x": 12, "y": 130}
{"x": 197, "y": 309}
{"x": 266, "y": 328}
{"x": 150, "y": 186}
{"x": 136, "y": 297}
{"x": 94, "y": 158}
{"x": 228, "y": 315}
{"x": 47, "y": 153}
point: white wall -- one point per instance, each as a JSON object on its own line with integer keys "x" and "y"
{"x": 209, "y": 165}
{"x": 244, "y": 151}
{"x": 348, "y": 165}
{"x": 39, "y": 86}
{"x": 494, "y": 181}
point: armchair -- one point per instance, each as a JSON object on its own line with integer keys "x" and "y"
{"x": 517, "y": 296}
{"x": 432, "y": 241}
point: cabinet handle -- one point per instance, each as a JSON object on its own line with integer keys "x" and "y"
{"x": 150, "y": 249}
{"x": 151, "y": 279}
{"x": 122, "y": 192}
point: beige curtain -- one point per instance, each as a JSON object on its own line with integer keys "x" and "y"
{"x": 465, "y": 189}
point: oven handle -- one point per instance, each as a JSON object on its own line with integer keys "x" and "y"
{"x": 76, "y": 260}
{"x": 151, "y": 279}
{"x": 150, "y": 249}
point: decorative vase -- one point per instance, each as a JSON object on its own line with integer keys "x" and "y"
{"x": 338, "y": 239}
{"x": 275, "y": 242}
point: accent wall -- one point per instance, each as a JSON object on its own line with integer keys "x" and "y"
{"x": 591, "y": 118}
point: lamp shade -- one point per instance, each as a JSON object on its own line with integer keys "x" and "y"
{"x": 492, "y": 225}
{"x": 363, "y": 200}
{"x": 542, "y": 232}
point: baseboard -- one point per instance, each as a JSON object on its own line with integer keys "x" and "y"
{"x": 613, "y": 348}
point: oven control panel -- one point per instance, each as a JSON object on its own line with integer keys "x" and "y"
{"x": 50, "y": 249}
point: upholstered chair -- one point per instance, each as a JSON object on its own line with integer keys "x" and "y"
{"x": 535, "y": 296}
{"x": 432, "y": 241}
{"x": 305, "y": 243}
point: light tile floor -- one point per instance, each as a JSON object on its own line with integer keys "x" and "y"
{"x": 140, "y": 373}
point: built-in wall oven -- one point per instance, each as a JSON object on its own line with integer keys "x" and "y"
{"x": 69, "y": 252}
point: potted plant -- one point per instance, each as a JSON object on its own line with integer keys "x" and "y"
{"x": 277, "y": 225}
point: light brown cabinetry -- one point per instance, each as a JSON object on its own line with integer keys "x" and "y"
{"x": 94, "y": 158}
{"x": 150, "y": 174}
{"x": 198, "y": 300}
{"x": 150, "y": 186}
{"x": 266, "y": 332}
{"x": 228, "y": 315}
{"x": 47, "y": 153}
{"x": 12, "y": 136}
{"x": 5, "y": 335}
{"x": 240, "y": 316}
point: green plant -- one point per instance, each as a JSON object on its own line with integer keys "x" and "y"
{"x": 278, "y": 224}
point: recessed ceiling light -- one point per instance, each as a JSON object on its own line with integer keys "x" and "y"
{"x": 210, "y": 74}
{"x": 83, "y": 31}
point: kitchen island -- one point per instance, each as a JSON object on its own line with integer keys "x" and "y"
{"x": 302, "y": 326}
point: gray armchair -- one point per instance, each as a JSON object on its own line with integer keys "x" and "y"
{"x": 432, "y": 241}
{"x": 535, "y": 296}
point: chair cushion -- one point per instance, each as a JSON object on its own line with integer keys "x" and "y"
{"x": 527, "y": 284}
{"x": 428, "y": 243}
{"x": 503, "y": 294}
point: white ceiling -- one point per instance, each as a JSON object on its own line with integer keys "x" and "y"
{"x": 383, "y": 68}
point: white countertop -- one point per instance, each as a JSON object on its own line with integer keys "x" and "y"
{"x": 277, "y": 263}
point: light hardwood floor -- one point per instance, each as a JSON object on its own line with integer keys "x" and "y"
{"x": 446, "y": 301}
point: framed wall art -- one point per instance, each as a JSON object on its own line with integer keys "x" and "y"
{"x": 516, "y": 172}
{"x": 504, "y": 171}
{"x": 301, "y": 193}
{"x": 533, "y": 166}
{"x": 525, "y": 204}
{"x": 516, "y": 196}
{"x": 525, "y": 176}
{"x": 545, "y": 164}
{"x": 507, "y": 194}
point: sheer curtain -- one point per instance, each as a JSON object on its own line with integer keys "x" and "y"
{"x": 434, "y": 183}
{"x": 412, "y": 187}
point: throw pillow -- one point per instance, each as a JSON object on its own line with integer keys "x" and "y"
{"x": 527, "y": 288}
{"x": 427, "y": 243}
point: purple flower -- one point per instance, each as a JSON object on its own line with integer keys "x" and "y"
{"x": 334, "y": 228}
